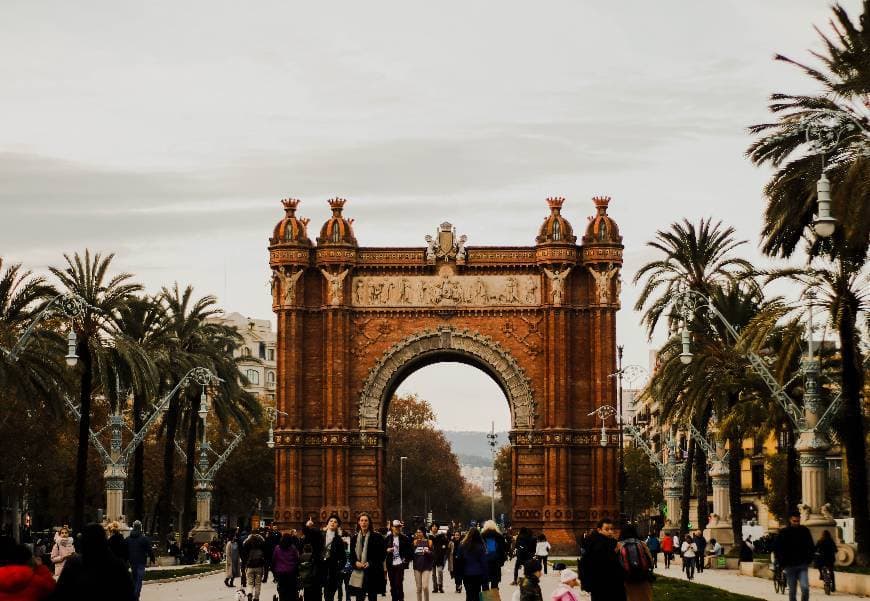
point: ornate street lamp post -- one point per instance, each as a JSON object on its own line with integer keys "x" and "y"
{"x": 492, "y": 438}
{"x": 70, "y": 306}
{"x": 117, "y": 457}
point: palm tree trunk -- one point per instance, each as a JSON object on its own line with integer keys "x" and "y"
{"x": 852, "y": 429}
{"x": 164, "y": 502}
{"x": 687, "y": 486}
{"x": 85, "y": 390}
{"x": 792, "y": 473}
{"x": 735, "y": 446}
{"x": 138, "y": 484}
{"x": 190, "y": 464}
{"x": 701, "y": 487}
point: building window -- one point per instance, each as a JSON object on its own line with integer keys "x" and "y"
{"x": 253, "y": 377}
{"x": 271, "y": 354}
{"x": 557, "y": 231}
{"x": 262, "y": 350}
{"x": 246, "y": 352}
{"x": 270, "y": 377}
{"x": 758, "y": 476}
{"x": 336, "y": 233}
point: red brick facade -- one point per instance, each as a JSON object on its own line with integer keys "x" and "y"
{"x": 353, "y": 322}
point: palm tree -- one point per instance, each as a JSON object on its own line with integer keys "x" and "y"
{"x": 830, "y": 132}
{"x": 98, "y": 343}
{"x": 38, "y": 372}
{"x": 142, "y": 319}
{"x": 197, "y": 342}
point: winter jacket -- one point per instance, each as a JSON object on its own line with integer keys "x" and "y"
{"x": 285, "y": 561}
{"x": 667, "y": 545}
{"x": 406, "y": 549}
{"x": 375, "y": 580}
{"x": 439, "y": 548}
{"x": 530, "y": 589}
{"x": 495, "y": 549}
{"x": 231, "y": 556}
{"x": 139, "y": 549}
{"x": 794, "y": 546}
{"x": 652, "y": 543}
{"x": 63, "y": 549}
{"x": 827, "y": 550}
{"x": 254, "y": 550}
{"x": 600, "y": 571}
{"x": 454, "y": 561}
{"x": 118, "y": 546}
{"x": 332, "y": 559}
{"x": 473, "y": 561}
{"x": 563, "y": 592}
{"x": 701, "y": 543}
{"x": 95, "y": 574}
{"x": 23, "y": 583}
{"x": 524, "y": 547}
{"x": 542, "y": 549}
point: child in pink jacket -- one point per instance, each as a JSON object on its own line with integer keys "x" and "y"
{"x": 564, "y": 591}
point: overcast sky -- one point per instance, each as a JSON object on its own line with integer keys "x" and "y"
{"x": 167, "y": 132}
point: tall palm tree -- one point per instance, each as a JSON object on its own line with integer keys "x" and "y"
{"x": 143, "y": 320}
{"x": 829, "y": 131}
{"x": 38, "y": 372}
{"x": 197, "y": 342}
{"x": 98, "y": 343}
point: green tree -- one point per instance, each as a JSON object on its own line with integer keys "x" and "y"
{"x": 503, "y": 476}
{"x": 431, "y": 472}
{"x": 643, "y": 483}
{"x": 829, "y": 132}
{"x": 100, "y": 345}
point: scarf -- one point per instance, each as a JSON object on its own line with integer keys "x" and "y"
{"x": 327, "y": 547}
{"x": 362, "y": 547}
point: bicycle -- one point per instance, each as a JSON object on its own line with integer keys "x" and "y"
{"x": 827, "y": 578}
{"x": 779, "y": 582}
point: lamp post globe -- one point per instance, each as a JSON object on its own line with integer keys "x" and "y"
{"x": 824, "y": 225}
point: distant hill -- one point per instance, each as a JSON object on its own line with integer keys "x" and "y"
{"x": 473, "y": 447}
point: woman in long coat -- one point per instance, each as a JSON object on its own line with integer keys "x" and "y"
{"x": 367, "y": 554}
{"x": 231, "y": 555}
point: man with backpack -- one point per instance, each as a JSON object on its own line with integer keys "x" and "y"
{"x": 636, "y": 562}
{"x": 496, "y": 556}
{"x": 254, "y": 549}
{"x": 600, "y": 571}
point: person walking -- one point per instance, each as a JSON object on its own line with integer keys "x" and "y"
{"x": 701, "y": 544}
{"x": 564, "y": 591}
{"x": 530, "y": 587}
{"x": 285, "y": 566}
{"x": 94, "y": 574}
{"x": 794, "y": 549}
{"x": 423, "y": 563}
{"x": 332, "y": 557}
{"x": 400, "y": 554}
{"x": 689, "y": 553}
{"x": 654, "y": 546}
{"x": 542, "y": 550}
{"x": 367, "y": 556}
{"x": 439, "y": 555}
{"x": 139, "y": 551}
{"x": 272, "y": 536}
{"x": 19, "y": 578}
{"x": 600, "y": 572}
{"x": 231, "y": 557}
{"x": 117, "y": 544}
{"x": 475, "y": 572}
{"x": 826, "y": 554}
{"x": 637, "y": 565}
{"x": 524, "y": 548}
{"x": 496, "y": 556}
{"x": 62, "y": 550}
{"x": 668, "y": 550}
{"x": 454, "y": 561}
{"x": 254, "y": 551}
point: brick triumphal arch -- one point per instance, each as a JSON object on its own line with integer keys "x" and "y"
{"x": 354, "y": 322}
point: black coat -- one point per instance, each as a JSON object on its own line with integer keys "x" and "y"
{"x": 439, "y": 548}
{"x": 375, "y": 580}
{"x": 330, "y": 561}
{"x": 600, "y": 571}
{"x": 406, "y": 549}
{"x": 794, "y": 546}
{"x": 524, "y": 547}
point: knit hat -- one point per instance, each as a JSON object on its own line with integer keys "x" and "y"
{"x": 567, "y": 576}
{"x": 532, "y": 566}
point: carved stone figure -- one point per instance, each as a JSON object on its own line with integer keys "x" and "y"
{"x": 532, "y": 292}
{"x": 460, "y": 248}
{"x": 276, "y": 289}
{"x": 335, "y": 281}
{"x": 557, "y": 284}
{"x": 288, "y": 282}
{"x": 359, "y": 288}
{"x": 478, "y": 292}
{"x": 432, "y": 248}
{"x": 602, "y": 282}
{"x": 512, "y": 291}
{"x": 445, "y": 245}
{"x": 405, "y": 292}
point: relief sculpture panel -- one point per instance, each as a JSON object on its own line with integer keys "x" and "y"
{"x": 446, "y": 291}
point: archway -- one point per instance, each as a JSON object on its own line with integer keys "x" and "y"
{"x": 353, "y": 320}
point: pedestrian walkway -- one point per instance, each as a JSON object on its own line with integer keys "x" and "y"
{"x": 731, "y": 580}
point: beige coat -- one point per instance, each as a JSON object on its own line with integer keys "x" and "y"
{"x": 63, "y": 549}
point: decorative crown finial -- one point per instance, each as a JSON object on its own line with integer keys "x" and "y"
{"x": 601, "y": 203}
{"x": 555, "y": 203}
{"x": 336, "y": 204}
{"x": 290, "y": 205}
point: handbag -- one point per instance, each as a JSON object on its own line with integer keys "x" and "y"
{"x": 357, "y": 579}
{"x": 490, "y": 595}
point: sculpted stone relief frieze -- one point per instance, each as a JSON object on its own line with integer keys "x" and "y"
{"x": 446, "y": 290}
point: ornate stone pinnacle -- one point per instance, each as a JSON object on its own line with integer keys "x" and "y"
{"x": 336, "y": 204}
{"x": 555, "y": 203}
{"x": 290, "y": 205}
{"x": 601, "y": 203}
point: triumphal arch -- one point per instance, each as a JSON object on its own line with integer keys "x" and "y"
{"x": 355, "y": 321}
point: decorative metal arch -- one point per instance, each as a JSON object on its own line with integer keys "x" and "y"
{"x": 479, "y": 348}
